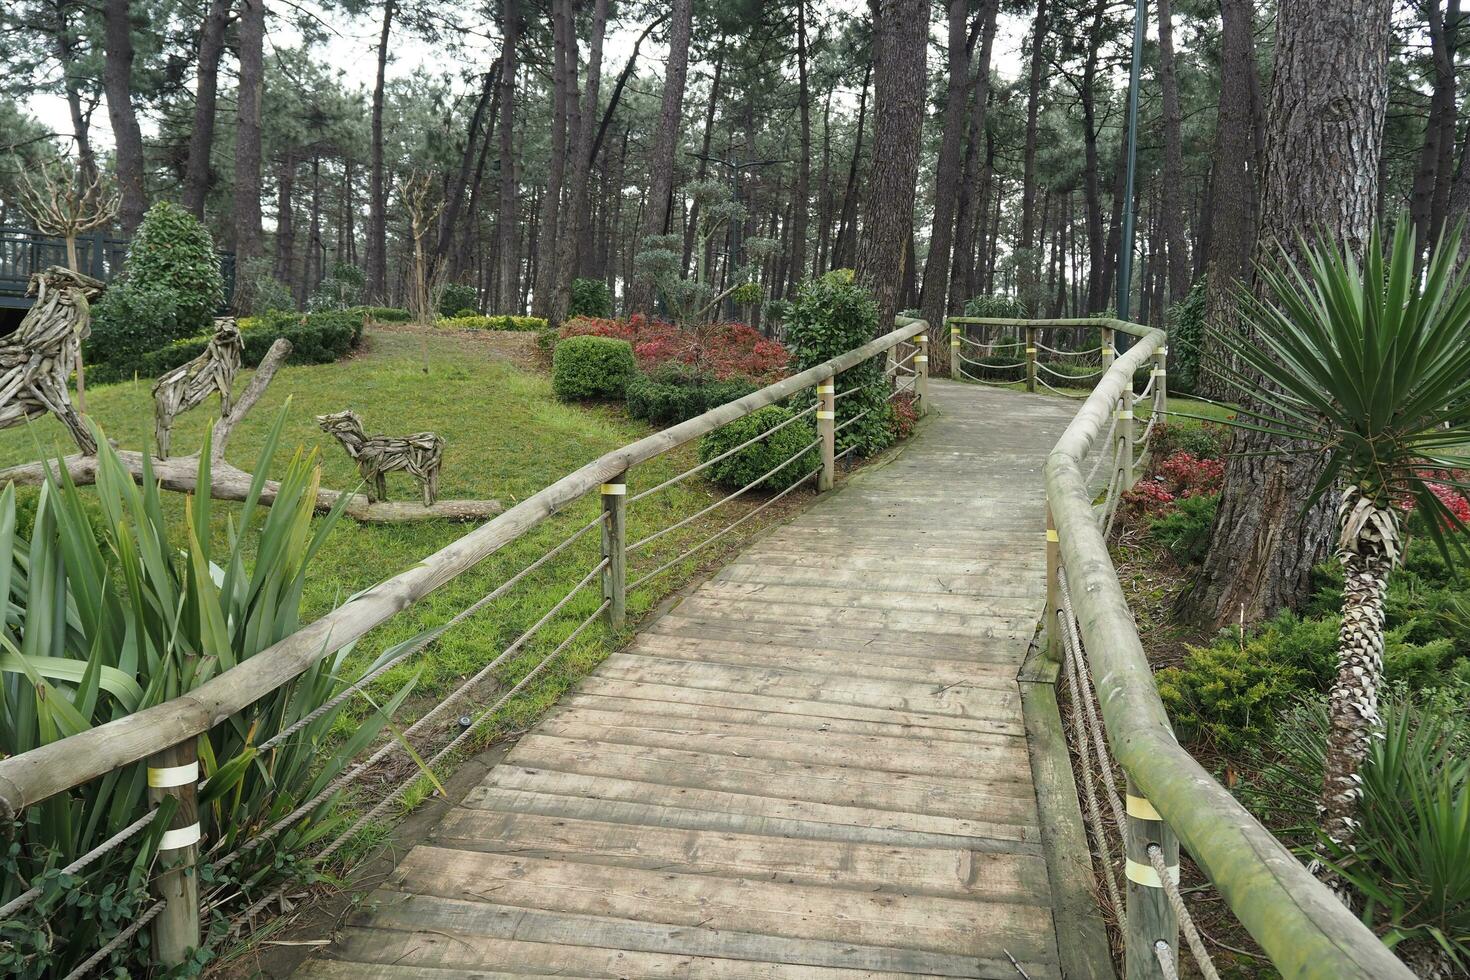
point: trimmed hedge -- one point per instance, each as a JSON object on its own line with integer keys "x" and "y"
{"x": 523, "y": 324}
{"x": 668, "y": 403}
{"x": 385, "y": 314}
{"x": 747, "y": 465}
{"x": 592, "y": 367}
{"x": 316, "y": 338}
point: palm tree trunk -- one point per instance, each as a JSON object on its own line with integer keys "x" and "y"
{"x": 1368, "y": 546}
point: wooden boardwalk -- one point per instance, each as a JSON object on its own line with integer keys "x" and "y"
{"x": 814, "y": 766}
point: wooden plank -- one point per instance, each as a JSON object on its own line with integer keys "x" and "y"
{"x": 940, "y": 699}
{"x": 998, "y": 796}
{"x": 615, "y": 687}
{"x": 854, "y": 663}
{"x": 785, "y": 909}
{"x": 920, "y": 624}
{"x": 872, "y": 868}
{"x": 754, "y": 812}
{"x": 573, "y": 938}
{"x": 995, "y": 585}
{"x": 891, "y": 597}
{"x": 916, "y": 755}
{"x": 877, "y": 640}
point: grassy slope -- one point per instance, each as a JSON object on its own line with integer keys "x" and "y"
{"x": 506, "y": 437}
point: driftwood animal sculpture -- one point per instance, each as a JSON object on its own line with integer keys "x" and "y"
{"x": 419, "y": 454}
{"x": 187, "y": 386}
{"x": 38, "y": 359}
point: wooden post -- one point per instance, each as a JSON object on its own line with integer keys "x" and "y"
{"x": 954, "y": 352}
{"x": 921, "y": 371}
{"x": 1161, "y": 383}
{"x": 1125, "y": 436}
{"x": 1109, "y": 354}
{"x": 174, "y": 773}
{"x": 1031, "y": 359}
{"x": 1150, "y": 918}
{"x": 614, "y": 548}
{"x": 1053, "y": 591}
{"x": 827, "y": 430}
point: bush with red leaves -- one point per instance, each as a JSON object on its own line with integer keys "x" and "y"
{"x": 721, "y": 351}
{"x": 905, "y": 415}
{"x": 1181, "y": 474}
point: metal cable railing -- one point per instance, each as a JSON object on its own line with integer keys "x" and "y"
{"x": 447, "y": 725}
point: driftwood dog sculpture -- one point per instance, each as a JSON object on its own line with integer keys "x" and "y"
{"x": 187, "y": 386}
{"x": 418, "y": 454}
{"x": 37, "y": 360}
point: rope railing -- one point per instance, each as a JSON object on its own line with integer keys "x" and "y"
{"x": 1169, "y": 802}
{"x": 447, "y": 725}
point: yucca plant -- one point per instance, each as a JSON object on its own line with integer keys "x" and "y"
{"x": 1409, "y": 865}
{"x": 103, "y": 621}
{"x": 1367, "y": 363}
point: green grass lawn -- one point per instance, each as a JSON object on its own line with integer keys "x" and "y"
{"x": 506, "y": 437}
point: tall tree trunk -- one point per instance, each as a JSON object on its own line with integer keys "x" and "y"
{"x": 246, "y": 209}
{"x": 691, "y": 226}
{"x": 548, "y": 235}
{"x": 844, "y": 253}
{"x": 934, "y": 296}
{"x": 455, "y": 199}
{"x": 311, "y": 273}
{"x": 665, "y": 137}
{"x": 117, "y": 83}
{"x": 962, "y": 274}
{"x": 1329, "y": 93}
{"x": 824, "y": 191}
{"x": 1171, "y": 191}
{"x": 802, "y": 202}
{"x": 506, "y": 219}
{"x": 377, "y": 229}
{"x": 201, "y": 138}
{"x": 1234, "y": 185}
{"x": 1026, "y": 267}
{"x": 1097, "y": 288}
{"x": 285, "y": 218}
{"x": 81, "y": 124}
{"x": 1441, "y": 108}
{"x": 575, "y": 223}
{"x": 900, "y": 36}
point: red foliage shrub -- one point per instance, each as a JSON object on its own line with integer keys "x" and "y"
{"x": 1181, "y": 474}
{"x": 905, "y": 415}
{"x": 720, "y": 351}
{"x": 1452, "y": 497}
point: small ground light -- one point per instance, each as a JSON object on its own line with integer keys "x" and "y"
{"x": 465, "y": 721}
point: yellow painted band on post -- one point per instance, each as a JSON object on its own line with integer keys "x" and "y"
{"x": 954, "y": 330}
{"x": 1164, "y": 351}
{"x": 1125, "y": 414}
{"x": 826, "y": 415}
{"x": 1142, "y": 808}
{"x": 1160, "y": 372}
{"x": 179, "y": 837}
{"x": 613, "y": 489}
{"x": 1031, "y": 350}
{"x": 169, "y": 776}
{"x": 1145, "y": 875}
{"x": 1051, "y": 535}
{"x": 921, "y": 338}
{"x": 921, "y": 359}
{"x": 826, "y": 389}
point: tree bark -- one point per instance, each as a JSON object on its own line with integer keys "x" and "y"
{"x": 1097, "y": 295}
{"x": 247, "y": 144}
{"x": 548, "y": 236}
{"x": 285, "y": 218}
{"x": 506, "y": 220}
{"x": 449, "y": 220}
{"x": 1235, "y": 186}
{"x": 900, "y": 36}
{"x": 802, "y": 202}
{"x": 844, "y": 252}
{"x": 1426, "y": 186}
{"x": 691, "y": 225}
{"x": 1329, "y": 93}
{"x": 665, "y": 137}
{"x": 575, "y": 219}
{"x": 1026, "y": 266}
{"x": 117, "y": 83}
{"x": 81, "y": 125}
{"x": 934, "y": 295}
{"x": 1171, "y": 190}
{"x": 377, "y": 229}
{"x": 201, "y": 138}
{"x": 962, "y": 275}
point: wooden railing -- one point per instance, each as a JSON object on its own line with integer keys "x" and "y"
{"x": 1168, "y": 799}
{"x": 165, "y": 736}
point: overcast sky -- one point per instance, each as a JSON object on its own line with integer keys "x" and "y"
{"x": 352, "y": 49}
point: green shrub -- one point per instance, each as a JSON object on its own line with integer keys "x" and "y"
{"x": 590, "y": 297}
{"x": 265, "y": 291}
{"x": 831, "y": 316}
{"x": 465, "y": 311}
{"x": 1186, "y": 326}
{"x": 474, "y": 321}
{"x": 546, "y": 339}
{"x": 668, "y": 402}
{"x": 458, "y": 296}
{"x": 1184, "y": 529}
{"x": 340, "y": 290}
{"x": 1203, "y": 440}
{"x": 792, "y": 442}
{"x": 998, "y": 367}
{"x": 171, "y": 287}
{"x": 592, "y": 367}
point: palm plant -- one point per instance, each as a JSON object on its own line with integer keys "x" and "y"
{"x": 1365, "y": 364}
